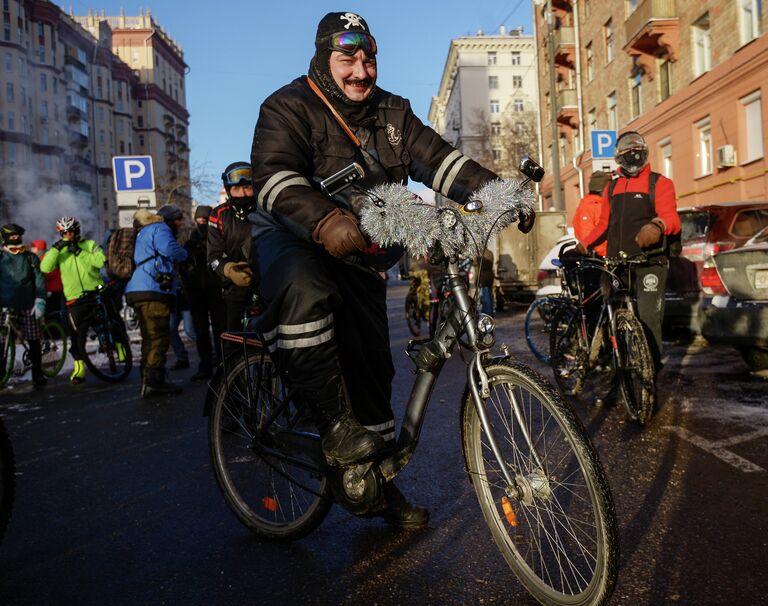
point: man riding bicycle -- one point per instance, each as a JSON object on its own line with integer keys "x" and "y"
{"x": 638, "y": 209}
{"x": 325, "y": 321}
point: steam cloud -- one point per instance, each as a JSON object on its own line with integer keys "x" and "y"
{"x": 27, "y": 201}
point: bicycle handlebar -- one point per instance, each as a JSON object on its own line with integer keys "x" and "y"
{"x": 398, "y": 216}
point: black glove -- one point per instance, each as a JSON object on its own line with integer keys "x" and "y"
{"x": 526, "y": 220}
{"x": 73, "y": 247}
{"x": 60, "y": 245}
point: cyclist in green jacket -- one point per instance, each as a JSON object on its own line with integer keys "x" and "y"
{"x": 79, "y": 261}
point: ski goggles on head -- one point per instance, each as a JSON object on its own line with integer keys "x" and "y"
{"x": 350, "y": 42}
{"x": 242, "y": 175}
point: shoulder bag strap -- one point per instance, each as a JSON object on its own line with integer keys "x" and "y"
{"x": 316, "y": 89}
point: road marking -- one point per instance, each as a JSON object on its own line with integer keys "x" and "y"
{"x": 717, "y": 448}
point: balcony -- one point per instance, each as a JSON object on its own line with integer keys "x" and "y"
{"x": 561, "y": 8}
{"x": 75, "y": 114}
{"x": 77, "y": 140}
{"x": 74, "y": 61}
{"x": 565, "y": 47}
{"x": 653, "y": 29}
{"x": 567, "y": 108}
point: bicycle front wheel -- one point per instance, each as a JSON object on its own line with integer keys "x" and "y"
{"x": 538, "y": 324}
{"x": 413, "y": 314}
{"x": 270, "y": 475}
{"x": 53, "y": 348}
{"x": 7, "y": 354}
{"x": 7, "y": 479}
{"x": 556, "y": 528}
{"x": 636, "y": 377}
{"x": 106, "y": 350}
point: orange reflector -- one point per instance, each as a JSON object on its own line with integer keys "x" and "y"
{"x": 269, "y": 504}
{"x": 509, "y": 513}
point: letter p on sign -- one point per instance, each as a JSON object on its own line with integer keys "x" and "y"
{"x": 603, "y": 143}
{"x": 133, "y": 173}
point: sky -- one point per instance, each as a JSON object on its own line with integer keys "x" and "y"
{"x": 240, "y": 51}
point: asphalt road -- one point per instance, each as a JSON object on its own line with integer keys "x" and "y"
{"x": 116, "y": 501}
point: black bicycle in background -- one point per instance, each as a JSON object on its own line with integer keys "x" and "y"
{"x": 597, "y": 341}
{"x": 101, "y": 335}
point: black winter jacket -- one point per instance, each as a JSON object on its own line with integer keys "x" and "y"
{"x": 297, "y": 143}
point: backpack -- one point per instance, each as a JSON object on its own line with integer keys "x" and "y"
{"x": 119, "y": 254}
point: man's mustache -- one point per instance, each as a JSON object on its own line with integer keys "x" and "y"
{"x": 356, "y": 82}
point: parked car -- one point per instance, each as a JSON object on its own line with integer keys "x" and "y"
{"x": 548, "y": 276}
{"x": 737, "y": 312}
{"x": 706, "y": 230}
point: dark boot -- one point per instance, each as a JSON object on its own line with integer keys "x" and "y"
{"x": 399, "y": 512}
{"x": 203, "y": 372}
{"x": 36, "y": 357}
{"x": 154, "y": 384}
{"x": 344, "y": 440}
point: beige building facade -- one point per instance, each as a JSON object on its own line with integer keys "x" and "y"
{"x": 72, "y": 97}
{"x": 689, "y": 76}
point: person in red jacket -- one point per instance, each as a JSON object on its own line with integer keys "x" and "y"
{"x": 638, "y": 209}
{"x": 53, "y": 287}
{"x": 587, "y": 214}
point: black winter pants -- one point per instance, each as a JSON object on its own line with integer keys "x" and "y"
{"x": 208, "y": 314}
{"x": 324, "y": 318}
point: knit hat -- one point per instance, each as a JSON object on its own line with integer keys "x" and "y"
{"x": 39, "y": 244}
{"x": 333, "y": 23}
{"x": 202, "y": 212}
{"x": 170, "y": 212}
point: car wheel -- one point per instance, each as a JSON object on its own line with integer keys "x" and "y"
{"x": 755, "y": 357}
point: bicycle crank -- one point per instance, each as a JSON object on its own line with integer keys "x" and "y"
{"x": 358, "y": 488}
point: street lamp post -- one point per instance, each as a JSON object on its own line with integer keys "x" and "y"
{"x": 557, "y": 191}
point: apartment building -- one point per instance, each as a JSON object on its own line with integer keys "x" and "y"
{"x": 486, "y": 103}
{"x": 69, "y": 103}
{"x": 689, "y": 76}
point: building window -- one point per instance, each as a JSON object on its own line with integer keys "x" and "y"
{"x": 590, "y": 63}
{"x": 41, "y": 53}
{"x": 7, "y": 32}
{"x": 749, "y": 19}
{"x": 9, "y": 92}
{"x": 491, "y": 58}
{"x": 665, "y": 78}
{"x": 497, "y": 154}
{"x": 665, "y": 151}
{"x": 494, "y": 106}
{"x": 8, "y": 62}
{"x": 102, "y": 137}
{"x": 495, "y": 128}
{"x": 44, "y": 109}
{"x": 45, "y": 136}
{"x": 141, "y": 140}
{"x": 608, "y": 32}
{"x": 591, "y": 121}
{"x": 702, "y": 52}
{"x": 135, "y": 56}
{"x": 705, "y": 147}
{"x": 122, "y": 147}
{"x": 753, "y": 122}
{"x": 140, "y": 121}
{"x": 493, "y": 82}
{"x": 610, "y": 105}
{"x": 520, "y": 128}
{"x": 11, "y": 121}
{"x": 517, "y": 105}
{"x": 636, "y": 94}
{"x": 43, "y": 83}
{"x": 516, "y": 58}
{"x": 517, "y": 81}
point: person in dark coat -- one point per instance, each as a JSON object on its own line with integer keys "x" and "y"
{"x": 325, "y": 318}
{"x": 22, "y": 292}
{"x": 151, "y": 291}
{"x": 203, "y": 290}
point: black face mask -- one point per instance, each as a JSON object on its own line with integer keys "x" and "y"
{"x": 202, "y": 229}
{"x": 243, "y": 206}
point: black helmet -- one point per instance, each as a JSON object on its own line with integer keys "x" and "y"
{"x": 12, "y": 234}
{"x": 237, "y": 173}
{"x": 631, "y": 152}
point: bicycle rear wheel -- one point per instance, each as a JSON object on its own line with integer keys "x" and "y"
{"x": 636, "y": 378}
{"x": 53, "y": 347}
{"x": 568, "y": 348}
{"x": 7, "y": 354}
{"x": 7, "y": 479}
{"x": 272, "y": 477}
{"x": 413, "y": 313}
{"x": 557, "y": 527}
{"x": 538, "y": 323}
{"x": 106, "y": 350}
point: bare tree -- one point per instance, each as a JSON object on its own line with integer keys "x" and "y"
{"x": 199, "y": 183}
{"x": 499, "y": 144}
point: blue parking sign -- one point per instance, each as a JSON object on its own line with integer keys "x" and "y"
{"x": 603, "y": 143}
{"x": 133, "y": 173}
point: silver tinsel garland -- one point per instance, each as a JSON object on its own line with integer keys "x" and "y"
{"x": 406, "y": 219}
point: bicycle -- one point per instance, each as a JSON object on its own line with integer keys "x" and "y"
{"x": 111, "y": 359}
{"x": 538, "y": 325}
{"x": 415, "y": 312}
{"x": 616, "y": 350}
{"x": 7, "y": 479}
{"x": 53, "y": 346}
{"x": 540, "y": 485}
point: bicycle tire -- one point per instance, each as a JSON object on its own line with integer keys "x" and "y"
{"x": 104, "y": 361}
{"x": 7, "y": 354}
{"x": 53, "y": 348}
{"x": 565, "y": 499}
{"x": 636, "y": 378}
{"x": 275, "y": 499}
{"x": 7, "y": 479}
{"x": 569, "y": 352}
{"x": 413, "y": 314}
{"x": 538, "y": 322}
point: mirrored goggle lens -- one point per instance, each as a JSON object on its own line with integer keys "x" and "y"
{"x": 349, "y": 43}
{"x": 238, "y": 176}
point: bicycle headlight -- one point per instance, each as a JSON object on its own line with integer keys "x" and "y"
{"x": 485, "y": 324}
